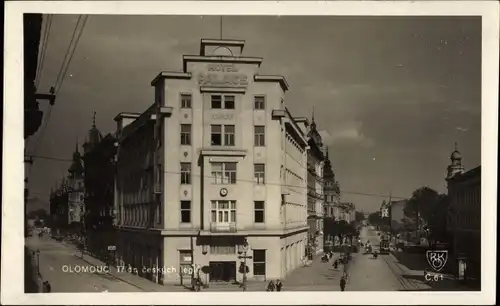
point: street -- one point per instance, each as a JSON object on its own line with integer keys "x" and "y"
{"x": 55, "y": 260}
{"x": 368, "y": 274}
{"x": 59, "y": 264}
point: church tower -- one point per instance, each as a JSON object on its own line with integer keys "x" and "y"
{"x": 76, "y": 207}
{"x": 93, "y": 138}
{"x": 456, "y": 166}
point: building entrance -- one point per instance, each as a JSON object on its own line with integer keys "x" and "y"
{"x": 222, "y": 271}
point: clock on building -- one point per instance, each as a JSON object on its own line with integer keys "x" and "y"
{"x": 223, "y": 192}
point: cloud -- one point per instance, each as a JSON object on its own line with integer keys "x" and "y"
{"x": 348, "y": 135}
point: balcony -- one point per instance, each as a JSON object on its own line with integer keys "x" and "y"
{"x": 223, "y": 227}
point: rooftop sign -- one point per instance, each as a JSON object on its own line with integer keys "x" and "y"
{"x": 222, "y": 75}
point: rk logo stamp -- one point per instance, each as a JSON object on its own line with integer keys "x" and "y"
{"x": 437, "y": 259}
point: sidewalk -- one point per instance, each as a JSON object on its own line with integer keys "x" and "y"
{"x": 415, "y": 271}
{"x": 140, "y": 283}
{"x": 318, "y": 276}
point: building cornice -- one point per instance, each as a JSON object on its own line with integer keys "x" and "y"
{"x": 217, "y": 59}
{"x": 284, "y": 114}
{"x": 215, "y": 89}
{"x": 273, "y": 78}
{"x": 171, "y": 75}
{"x": 223, "y": 152}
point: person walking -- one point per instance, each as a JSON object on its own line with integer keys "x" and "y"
{"x": 342, "y": 283}
{"x": 270, "y": 286}
{"x": 279, "y": 285}
{"x": 46, "y": 287}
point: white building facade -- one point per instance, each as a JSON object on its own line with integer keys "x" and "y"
{"x": 216, "y": 164}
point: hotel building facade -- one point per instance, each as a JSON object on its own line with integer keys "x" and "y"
{"x": 215, "y": 169}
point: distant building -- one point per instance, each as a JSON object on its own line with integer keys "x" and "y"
{"x": 331, "y": 194}
{"x": 99, "y": 164}
{"x": 59, "y": 205}
{"x": 76, "y": 190}
{"x": 215, "y": 162}
{"x": 315, "y": 186}
{"x": 398, "y": 218}
{"x": 346, "y": 211}
{"x": 464, "y": 219}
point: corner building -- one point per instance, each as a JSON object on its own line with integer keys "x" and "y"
{"x": 228, "y": 166}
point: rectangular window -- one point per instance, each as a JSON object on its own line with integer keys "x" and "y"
{"x": 185, "y": 211}
{"x": 216, "y": 135}
{"x": 259, "y": 102}
{"x": 223, "y": 212}
{"x": 222, "y": 135}
{"x": 259, "y": 173}
{"x": 223, "y": 173}
{"x": 216, "y": 101}
{"x": 185, "y": 100}
{"x": 229, "y": 135}
{"x": 185, "y": 173}
{"x": 186, "y": 134}
{"x": 259, "y": 136}
{"x": 259, "y": 211}
{"x": 222, "y": 102}
{"x": 229, "y": 102}
{"x": 259, "y": 262}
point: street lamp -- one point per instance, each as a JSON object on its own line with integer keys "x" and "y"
{"x": 244, "y": 249}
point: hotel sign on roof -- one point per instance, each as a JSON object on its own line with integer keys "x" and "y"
{"x": 222, "y": 75}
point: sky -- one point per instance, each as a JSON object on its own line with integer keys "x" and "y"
{"x": 391, "y": 94}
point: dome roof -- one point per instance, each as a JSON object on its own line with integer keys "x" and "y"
{"x": 455, "y": 155}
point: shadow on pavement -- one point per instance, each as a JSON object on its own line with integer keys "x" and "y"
{"x": 412, "y": 261}
{"x": 441, "y": 285}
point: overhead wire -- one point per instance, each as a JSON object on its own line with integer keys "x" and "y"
{"x": 67, "y": 54}
{"x": 45, "y": 43}
{"x": 85, "y": 17}
{"x": 241, "y": 180}
{"x": 70, "y": 51}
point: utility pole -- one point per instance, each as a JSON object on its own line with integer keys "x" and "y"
{"x": 192, "y": 263}
{"x": 245, "y": 248}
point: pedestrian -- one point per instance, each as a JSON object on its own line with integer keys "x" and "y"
{"x": 279, "y": 285}
{"x": 270, "y": 286}
{"x": 335, "y": 264}
{"x": 46, "y": 286}
{"x": 342, "y": 284}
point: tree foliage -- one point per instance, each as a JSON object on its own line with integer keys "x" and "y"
{"x": 338, "y": 228}
{"x": 432, "y": 208}
{"x": 359, "y": 216}
{"x": 423, "y": 201}
{"x": 38, "y": 214}
{"x": 375, "y": 218}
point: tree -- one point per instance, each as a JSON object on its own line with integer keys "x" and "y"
{"x": 423, "y": 202}
{"x": 375, "y": 218}
{"x": 359, "y": 216}
{"x": 38, "y": 214}
{"x": 437, "y": 220}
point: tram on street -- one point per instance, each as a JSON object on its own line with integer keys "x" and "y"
{"x": 384, "y": 246}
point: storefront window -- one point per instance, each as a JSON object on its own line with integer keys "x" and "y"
{"x": 259, "y": 262}
{"x": 185, "y": 261}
